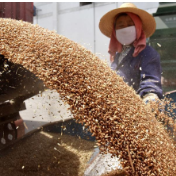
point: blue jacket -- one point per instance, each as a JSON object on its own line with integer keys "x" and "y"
{"x": 142, "y": 72}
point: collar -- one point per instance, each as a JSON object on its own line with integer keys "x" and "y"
{"x": 126, "y": 47}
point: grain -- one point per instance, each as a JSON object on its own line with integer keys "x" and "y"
{"x": 40, "y": 154}
{"x": 98, "y": 97}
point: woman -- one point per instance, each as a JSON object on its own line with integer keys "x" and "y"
{"x": 139, "y": 64}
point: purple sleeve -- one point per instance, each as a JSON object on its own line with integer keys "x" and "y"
{"x": 150, "y": 75}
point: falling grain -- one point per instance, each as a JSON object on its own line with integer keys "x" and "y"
{"x": 97, "y": 96}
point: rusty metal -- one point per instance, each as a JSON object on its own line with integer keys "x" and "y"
{"x": 17, "y": 10}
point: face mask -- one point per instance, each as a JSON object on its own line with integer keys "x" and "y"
{"x": 126, "y": 35}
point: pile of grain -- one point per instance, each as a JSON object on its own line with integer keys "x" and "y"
{"x": 96, "y": 95}
{"x": 47, "y": 154}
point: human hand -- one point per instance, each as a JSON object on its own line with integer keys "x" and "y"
{"x": 154, "y": 102}
{"x": 150, "y": 97}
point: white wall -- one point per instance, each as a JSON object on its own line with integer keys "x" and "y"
{"x": 44, "y": 15}
{"x": 78, "y": 25}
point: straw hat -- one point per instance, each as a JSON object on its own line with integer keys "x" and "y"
{"x": 107, "y": 21}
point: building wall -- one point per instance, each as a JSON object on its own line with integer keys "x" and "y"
{"x": 80, "y": 23}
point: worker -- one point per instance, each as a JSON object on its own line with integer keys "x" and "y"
{"x": 130, "y": 56}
